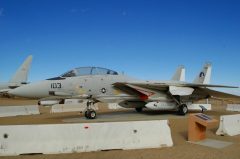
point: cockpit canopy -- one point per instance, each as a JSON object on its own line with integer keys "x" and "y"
{"x": 84, "y": 71}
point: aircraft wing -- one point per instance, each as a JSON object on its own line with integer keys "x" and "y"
{"x": 218, "y": 94}
{"x": 179, "y": 88}
{"x": 165, "y": 85}
{"x": 207, "y": 85}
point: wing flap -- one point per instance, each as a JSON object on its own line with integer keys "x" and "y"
{"x": 218, "y": 94}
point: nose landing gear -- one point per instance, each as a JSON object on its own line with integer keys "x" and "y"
{"x": 90, "y": 113}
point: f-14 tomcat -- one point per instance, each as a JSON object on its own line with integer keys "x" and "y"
{"x": 96, "y": 84}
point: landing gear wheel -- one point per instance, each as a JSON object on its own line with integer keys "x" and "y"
{"x": 182, "y": 109}
{"x": 138, "y": 109}
{"x": 90, "y": 114}
{"x": 85, "y": 114}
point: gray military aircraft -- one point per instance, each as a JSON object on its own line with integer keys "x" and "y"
{"x": 19, "y": 78}
{"x": 96, "y": 84}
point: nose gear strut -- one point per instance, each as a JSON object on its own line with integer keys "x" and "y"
{"x": 90, "y": 113}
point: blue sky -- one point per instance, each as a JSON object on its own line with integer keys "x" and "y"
{"x": 147, "y": 39}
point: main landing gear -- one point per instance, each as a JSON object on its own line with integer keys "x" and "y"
{"x": 90, "y": 113}
{"x": 139, "y": 109}
{"x": 182, "y": 109}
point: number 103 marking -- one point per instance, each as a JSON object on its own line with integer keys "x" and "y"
{"x": 56, "y": 85}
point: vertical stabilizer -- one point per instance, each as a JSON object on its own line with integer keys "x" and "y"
{"x": 205, "y": 75}
{"x": 179, "y": 74}
{"x": 21, "y": 74}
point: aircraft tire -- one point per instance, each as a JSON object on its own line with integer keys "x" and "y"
{"x": 139, "y": 109}
{"x": 182, "y": 109}
{"x": 85, "y": 114}
{"x": 90, "y": 114}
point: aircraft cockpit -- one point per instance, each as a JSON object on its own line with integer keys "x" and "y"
{"x": 84, "y": 71}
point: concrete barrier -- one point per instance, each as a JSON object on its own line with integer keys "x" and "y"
{"x": 48, "y": 102}
{"x": 197, "y": 106}
{"x": 6, "y": 111}
{"x": 80, "y": 107}
{"x": 190, "y": 106}
{"x": 229, "y": 125}
{"x": 66, "y": 101}
{"x": 83, "y": 137}
{"x": 233, "y": 107}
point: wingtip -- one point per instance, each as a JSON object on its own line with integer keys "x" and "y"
{"x": 30, "y": 56}
{"x": 208, "y": 63}
{"x": 181, "y": 66}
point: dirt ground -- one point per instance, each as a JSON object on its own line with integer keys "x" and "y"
{"x": 181, "y": 148}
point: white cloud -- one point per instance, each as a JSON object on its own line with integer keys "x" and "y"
{"x": 84, "y": 10}
{"x": 73, "y": 10}
{"x": 1, "y": 12}
{"x": 124, "y": 13}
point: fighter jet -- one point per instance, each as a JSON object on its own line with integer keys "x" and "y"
{"x": 18, "y": 79}
{"x": 96, "y": 84}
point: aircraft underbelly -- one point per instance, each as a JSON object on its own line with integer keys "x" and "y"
{"x": 159, "y": 105}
